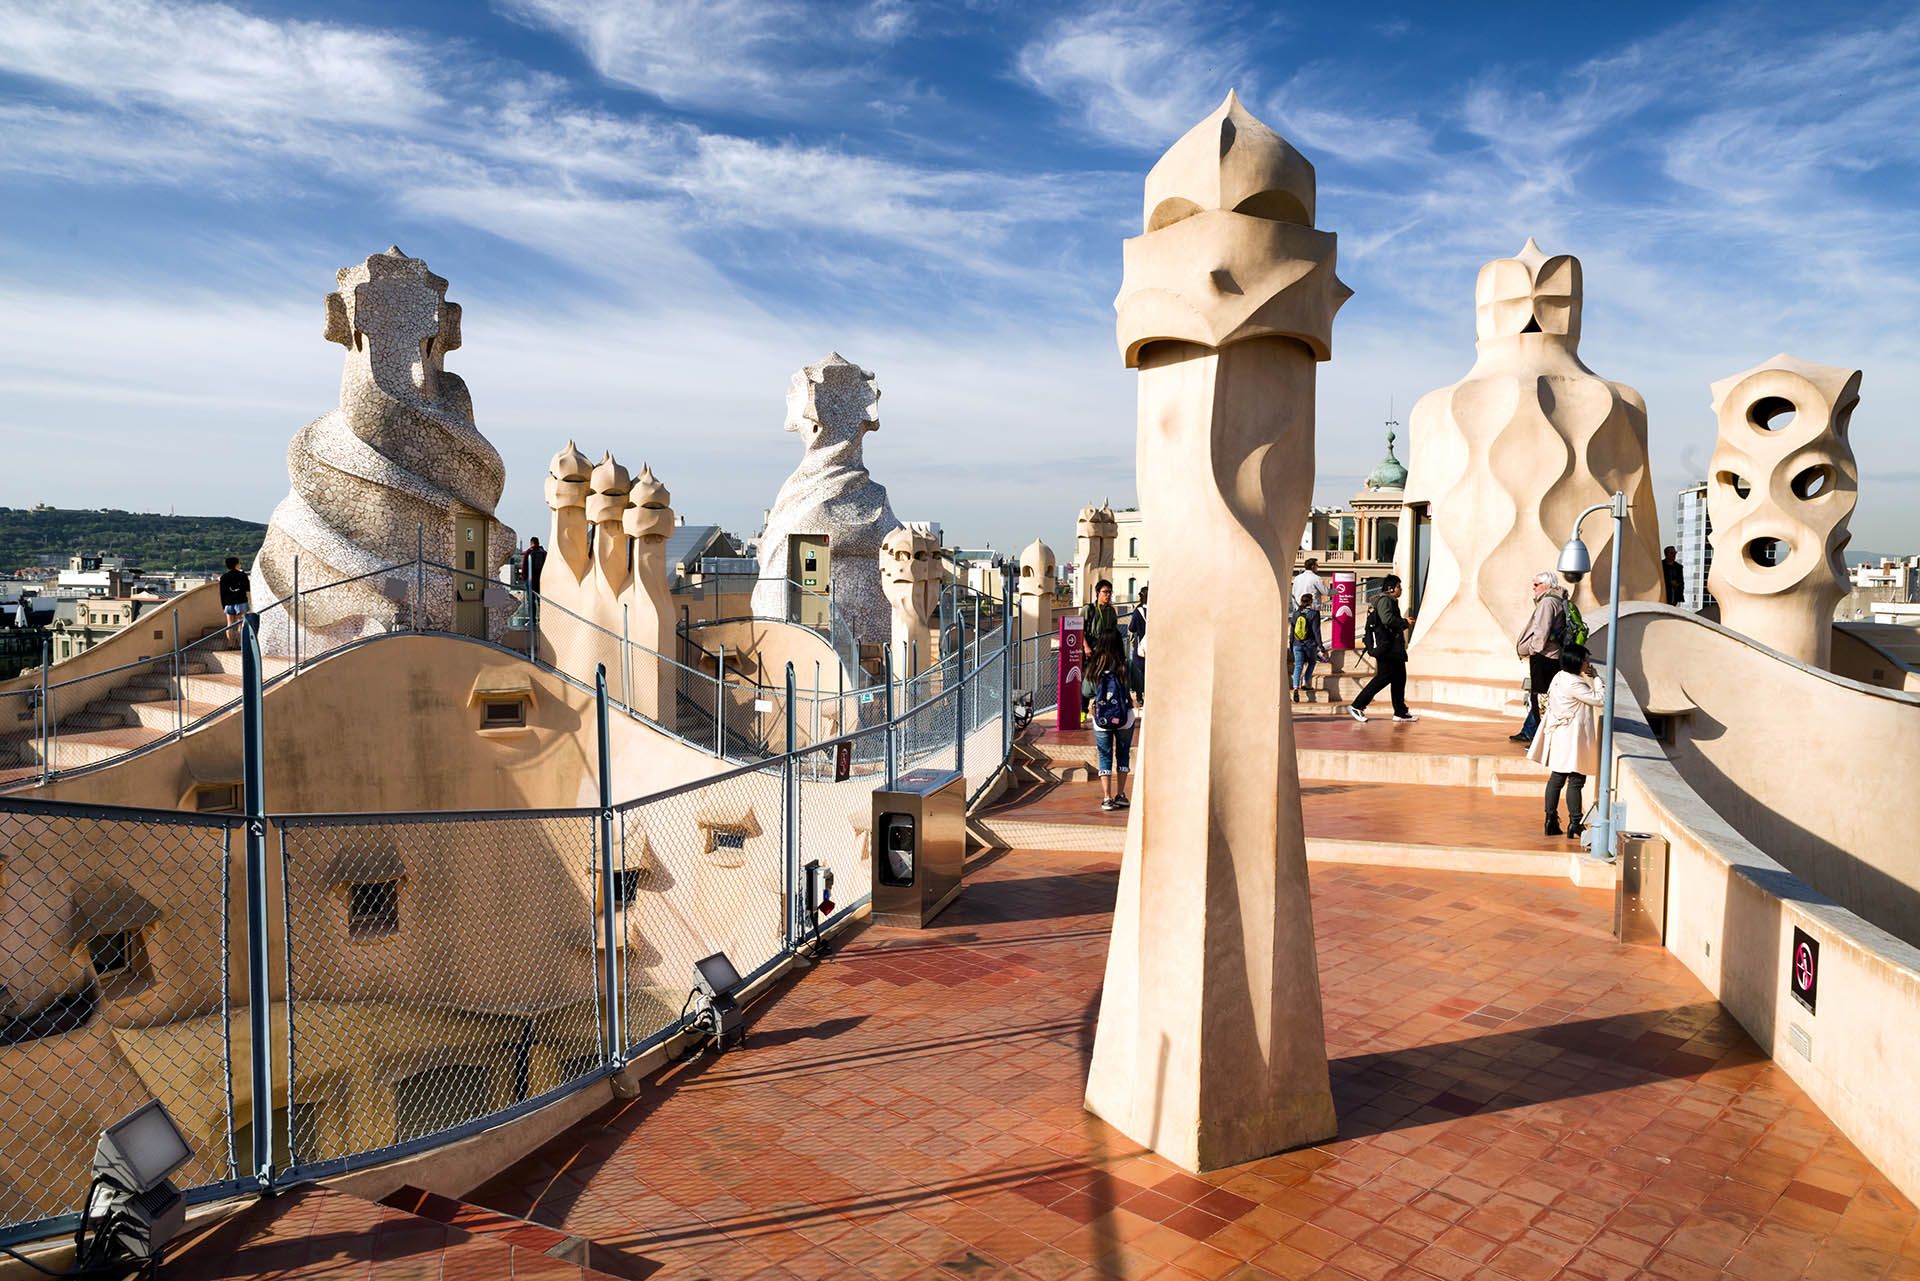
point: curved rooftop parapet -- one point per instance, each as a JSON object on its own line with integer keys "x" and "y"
{"x": 1737, "y": 914}
{"x": 1803, "y": 763}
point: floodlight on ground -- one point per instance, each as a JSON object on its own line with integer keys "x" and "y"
{"x": 715, "y": 1012}
{"x": 133, "y": 1210}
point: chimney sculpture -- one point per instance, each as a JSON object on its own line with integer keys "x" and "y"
{"x": 910, "y": 580}
{"x": 1035, "y": 605}
{"x": 606, "y": 577}
{"x": 831, "y": 405}
{"x": 1094, "y": 536}
{"x": 1210, "y": 1047}
{"x": 387, "y": 473}
{"x": 1781, "y": 490}
{"x": 1505, "y": 459}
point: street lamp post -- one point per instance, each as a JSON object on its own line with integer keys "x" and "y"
{"x": 1576, "y": 563}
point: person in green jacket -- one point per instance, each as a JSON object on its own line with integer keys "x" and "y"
{"x": 1102, "y": 619}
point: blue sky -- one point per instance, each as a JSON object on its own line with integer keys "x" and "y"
{"x": 653, "y": 212}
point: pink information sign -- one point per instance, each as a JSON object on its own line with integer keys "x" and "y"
{"x": 1071, "y": 651}
{"x": 1345, "y": 593}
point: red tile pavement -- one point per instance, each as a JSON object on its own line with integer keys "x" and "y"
{"x": 1519, "y": 1097}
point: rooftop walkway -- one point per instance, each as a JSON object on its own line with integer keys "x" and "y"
{"x": 1519, "y": 1098}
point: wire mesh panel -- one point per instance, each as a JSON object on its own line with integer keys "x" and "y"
{"x": 835, "y": 816}
{"x": 925, "y": 735}
{"x": 114, "y": 990}
{"x": 20, "y": 736}
{"x": 698, "y": 870}
{"x": 440, "y": 968}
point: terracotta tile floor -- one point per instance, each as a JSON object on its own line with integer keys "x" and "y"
{"x": 1332, "y": 729}
{"x": 1519, "y": 1098}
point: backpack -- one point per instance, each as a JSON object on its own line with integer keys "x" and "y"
{"x": 1110, "y": 703}
{"x": 1299, "y": 626}
{"x": 1573, "y": 628}
{"x": 1375, "y": 638}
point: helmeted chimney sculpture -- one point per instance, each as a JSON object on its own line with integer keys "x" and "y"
{"x": 1504, "y": 460}
{"x": 1210, "y": 1047}
{"x": 910, "y": 580}
{"x": 606, "y": 578}
{"x": 1094, "y": 535}
{"x": 1780, "y": 492}
{"x": 397, "y": 468}
{"x": 831, "y": 405}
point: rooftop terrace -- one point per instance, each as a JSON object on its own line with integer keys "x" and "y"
{"x": 1519, "y": 1097}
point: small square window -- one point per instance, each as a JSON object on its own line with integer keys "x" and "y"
{"x": 373, "y": 907}
{"x": 115, "y": 953}
{"x": 218, "y": 798}
{"x": 502, "y": 712}
{"x": 729, "y": 838}
{"x": 626, "y": 887}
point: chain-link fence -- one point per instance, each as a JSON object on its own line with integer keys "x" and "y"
{"x": 698, "y": 870}
{"x": 440, "y": 969}
{"x": 426, "y": 975}
{"x": 115, "y": 988}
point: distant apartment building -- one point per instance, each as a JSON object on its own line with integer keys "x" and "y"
{"x": 1696, "y": 550}
{"x": 1882, "y": 592}
{"x": 81, "y": 622}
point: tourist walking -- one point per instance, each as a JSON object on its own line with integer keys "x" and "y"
{"x": 1539, "y": 646}
{"x": 1304, "y": 634}
{"x": 1675, "y": 576}
{"x": 1386, "y": 640}
{"x": 1567, "y": 744}
{"x": 236, "y": 593}
{"x": 1137, "y": 628}
{"x": 1309, "y": 580}
{"x": 532, "y": 561}
{"x": 1113, "y": 719}
{"x": 1101, "y": 618}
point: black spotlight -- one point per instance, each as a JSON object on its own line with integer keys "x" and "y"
{"x": 819, "y": 901}
{"x": 715, "y": 1012}
{"x": 133, "y": 1210}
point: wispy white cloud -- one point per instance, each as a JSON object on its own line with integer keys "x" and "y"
{"x": 1137, "y": 74}
{"x": 756, "y": 57}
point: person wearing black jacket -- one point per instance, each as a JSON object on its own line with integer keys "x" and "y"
{"x": 1137, "y": 628}
{"x": 235, "y": 594}
{"x": 1390, "y": 656}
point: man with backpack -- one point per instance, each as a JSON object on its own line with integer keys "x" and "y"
{"x": 1555, "y": 621}
{"x": 1304, "y": 641}
{"x": 1386, "y": 640}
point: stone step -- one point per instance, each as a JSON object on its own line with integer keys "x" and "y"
{"x": 141, "y": 690}
{"x": 110, "y": 714}
{"x": 1460, "y": 829}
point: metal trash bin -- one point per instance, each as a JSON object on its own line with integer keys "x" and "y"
{"x": 919, "y": 846}
{"x": 1640, "y": 898}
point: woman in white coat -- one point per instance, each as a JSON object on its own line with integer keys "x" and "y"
{"x": 1567, "y": 742}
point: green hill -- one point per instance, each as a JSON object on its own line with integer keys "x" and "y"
{"x": 31, "y": 536}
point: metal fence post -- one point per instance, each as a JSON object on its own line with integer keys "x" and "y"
{"x": 1009, "y": 654}
{"x": 960, "y": 724}
{"x": 626, "y": 660}
{"x": 179, "y": 681}
{"x": 259, "y": 993}
{"x": 790, "y": 930}
{"x": 610, "y": 975}
{"x": 296, "y": 614}
{"x": 419, "y": 575}
{"x": 893, "y": 761}
{"x": 720, "y": 702}
{"x": 46, "y": 710}
{"x": 533, "y": 624}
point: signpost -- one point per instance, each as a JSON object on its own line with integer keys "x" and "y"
{"x": 1072, "y": 645}
{"x": 1345, "y": 593}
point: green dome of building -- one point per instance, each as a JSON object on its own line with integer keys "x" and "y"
{"x": 1388, "y": 473}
